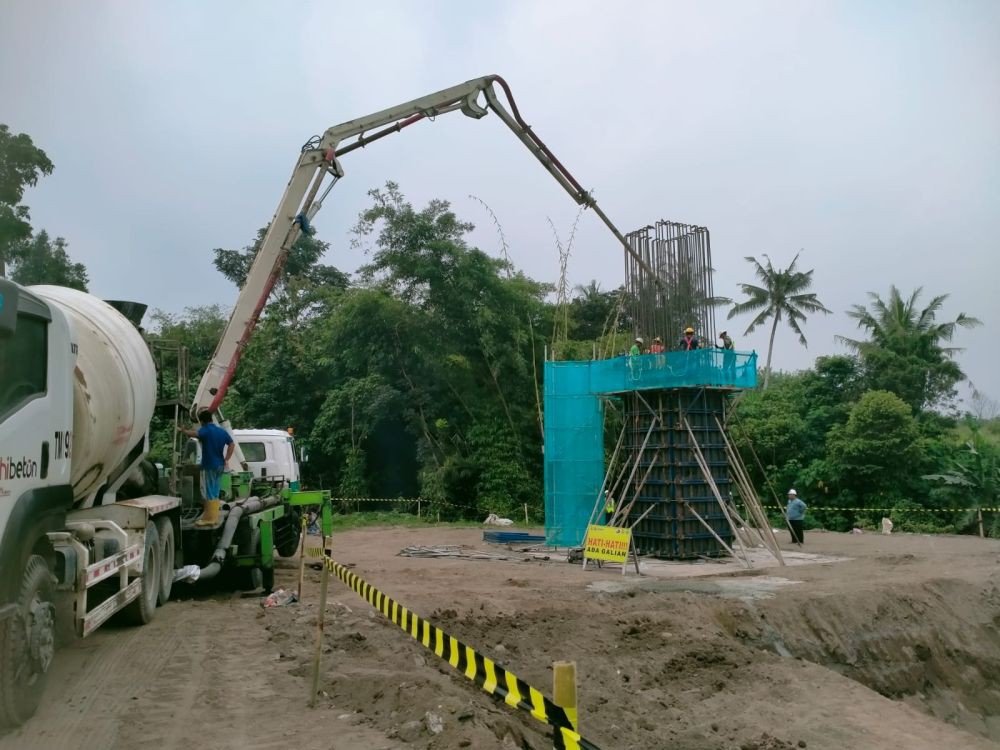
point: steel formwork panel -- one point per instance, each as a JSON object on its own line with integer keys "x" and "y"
{"x": 675, "y": 485}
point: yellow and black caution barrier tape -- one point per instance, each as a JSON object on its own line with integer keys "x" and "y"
{"x": 818, "y": 508}
{"x": 491, "y": 677}
{"x": 405, "y": 500}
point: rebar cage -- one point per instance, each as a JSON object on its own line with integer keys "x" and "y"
{"x": 679, "y": 293}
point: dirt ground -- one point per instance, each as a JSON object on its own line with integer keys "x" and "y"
{"x": 887, "y": 642}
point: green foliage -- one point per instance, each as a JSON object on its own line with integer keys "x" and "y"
{"x": 419, "y": 378}
{"x": 354, "y": 476}
{"x": 302, "y": 264}
{"x": 422, "y": 378}
{"x": 41, "y": 261}
{"x": 782, "y": 294}
{"x": 878, "y": 452}
{"x": 504, "y": 481}
{"x": 21, "y": 164}
{"x": 905, "y": 351}
{"x": 594, "y": 313}
{"x": 198, "y": 328}
{"x": 972, "y": 480}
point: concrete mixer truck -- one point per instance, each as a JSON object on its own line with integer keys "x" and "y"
{"x": 81, "y": 536}
{"x": 77, "y": 391}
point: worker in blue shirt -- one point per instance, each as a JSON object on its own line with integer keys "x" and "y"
{"x": 216, "y": 449}
{"x": 796, "y": 513}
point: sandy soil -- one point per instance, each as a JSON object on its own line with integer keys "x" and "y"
{"x": 896, "y": 645}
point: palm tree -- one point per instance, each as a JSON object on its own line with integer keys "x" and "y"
{"x": 898, "y": 324}
{"x": 906, "y": 345}
{"x": 782, "y": 294}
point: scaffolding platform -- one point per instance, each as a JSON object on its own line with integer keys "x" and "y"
{"x": 661, "y": 395}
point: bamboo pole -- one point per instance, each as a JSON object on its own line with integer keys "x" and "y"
{"x": 715, "y": 490}
{"x": 622, "y": 511}
{"x": 302, "y": 556}
{"x": 600, "y": 493}
{"x": 713, "y": 532}
{"x": 320, "y": 623}
{"x": 642, "y": 449}
{"x": 750, "y": 497}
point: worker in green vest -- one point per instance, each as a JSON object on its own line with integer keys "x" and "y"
{"x": 609, "y": 508}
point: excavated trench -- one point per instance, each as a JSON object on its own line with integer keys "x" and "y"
{"x": 696, "y": 664}
{"x": 935, "y": 645}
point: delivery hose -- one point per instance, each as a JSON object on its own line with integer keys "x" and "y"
{"x": 234, "y": 513}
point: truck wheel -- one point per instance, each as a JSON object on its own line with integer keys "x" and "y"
{"x": 166, "y": 531}
{"x": 27, "y": 644}
{"x": 141, "y": 609}
{"x": 288, "y": 533}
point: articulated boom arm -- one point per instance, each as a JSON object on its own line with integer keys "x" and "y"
{"x": 302, "y": 199}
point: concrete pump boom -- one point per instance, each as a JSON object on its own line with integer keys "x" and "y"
{"x": 302, "y": 199}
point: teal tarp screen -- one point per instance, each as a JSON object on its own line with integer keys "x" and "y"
{"x": 574, "y": 451}
{"x": 574, "y": 429}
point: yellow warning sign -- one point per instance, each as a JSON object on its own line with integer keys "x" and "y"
{"x": 607, "y": 543}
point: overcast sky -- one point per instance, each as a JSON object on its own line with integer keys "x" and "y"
{"x": 866, "y": 134}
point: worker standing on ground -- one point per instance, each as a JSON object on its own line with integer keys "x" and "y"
{"x": 609, "y": 508}
{"x": 728, "y": 356}
{"x": 637, "y": 346}
{"x": 216, "y": 449}
{"x": 796, "y": 513}
{"x": 689, "y": 342}
{"x": 657, "y": 346}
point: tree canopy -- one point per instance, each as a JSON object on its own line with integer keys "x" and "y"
{"x": 41, "y": 261}
{"x": 21, "y": 164}
{"x": 905, "y": 350}
{"x": 421, "y": 376}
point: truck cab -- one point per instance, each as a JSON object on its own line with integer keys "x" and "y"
{"x": 269, "y": 454}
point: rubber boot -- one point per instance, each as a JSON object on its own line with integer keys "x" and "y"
{"x": 209, "y": 514}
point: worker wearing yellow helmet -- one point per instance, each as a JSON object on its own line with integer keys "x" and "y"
{"x": 689, "y": 341}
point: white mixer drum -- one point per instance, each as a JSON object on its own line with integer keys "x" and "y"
{"x": 114, "y": 387}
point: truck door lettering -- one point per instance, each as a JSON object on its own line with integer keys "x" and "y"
{"x": 64, "y": 444}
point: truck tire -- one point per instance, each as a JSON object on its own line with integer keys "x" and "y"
{"x": 27, "y": 645}
{"x": 288, "y": 533}
{"x": 166, "y": 531}
{"x": 141, "y": 609}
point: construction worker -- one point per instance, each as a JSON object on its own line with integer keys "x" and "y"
{"x": 637, "y": 346}
{"x": 217, "y": 448}
{"x": 689, "y": 341}
{"x": 728, "y": 356}
{"x": 796, "y": 514}
{"x": 609, "y": 508}
{"x": 657, "y": 346}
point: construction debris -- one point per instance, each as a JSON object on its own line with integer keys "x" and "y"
{"x": 512, "y": 537}
{"x": 469, "y": 553}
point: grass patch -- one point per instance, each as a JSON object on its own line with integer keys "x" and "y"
{"x": 348, "y": 521}
{"x": 366, "y": 519}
